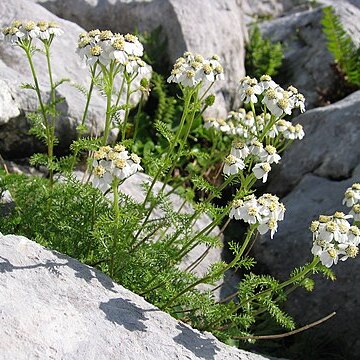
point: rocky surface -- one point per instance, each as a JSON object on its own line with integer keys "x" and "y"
{"x": 291, "y": 247}
{"x": 255, "y": 11}
{"x": 183, "y": 23}
{"x": 307, "y": 64}
{"x": 53, "y": 307}
{"x": 14, "y": 71}
{"x": 329, "y": 149}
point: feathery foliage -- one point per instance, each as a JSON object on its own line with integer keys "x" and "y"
{"x": 341, "y": 46}
{"x": 262, "y": 56}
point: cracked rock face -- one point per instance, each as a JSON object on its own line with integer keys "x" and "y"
{"x": 53, "y": 307}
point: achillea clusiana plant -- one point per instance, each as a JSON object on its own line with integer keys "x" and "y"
{"x": 124, "y": 237}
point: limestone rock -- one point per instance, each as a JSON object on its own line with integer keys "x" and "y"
{"x": 206, "y": 27}
{"x": 291, "y": 247}
{"x": 270, "y": 9}
{"x": 307, "y": 62}
{"x": 329, "y": 149}
{"x": 53, "y": 307}
{"x": 14, "y": 71}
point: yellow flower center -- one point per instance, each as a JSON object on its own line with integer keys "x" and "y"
{"x": 96, "y": 50}
{"x": 106, "y": 35}
{"x": 99, "y": 171}
{"x": 120, "y": 163}
{"x": 351, "y": 251}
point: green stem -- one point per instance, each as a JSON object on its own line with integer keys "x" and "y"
{"x": 208, "y": 277}
{"x": 137, "y": 117}
{"x": 115, "y": 190}
{"x": 120, "y": 92}
{"x": 53, "y": 106}
{"x": 188, "y": 95}
{"x": 127, "y": 110}
{"x": 288, "y": 282}
{"x": 27, "y": 50}
{"x": 86, "y": 109}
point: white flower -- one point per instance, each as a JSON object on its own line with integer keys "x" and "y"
{"x": 350, "y": 250}
{"x": 278, "y": 102}
{"x": 188, "y": 78}
{"x": 113, "y": 162}
{"x": 232, "y": 165}
{"x": 97, "y": 54}
{"x": 54, "y": 29}
{"x": 270, "y": 155}
{"x": 192, "y": 69}
{"x": 352, "y": 195}
{"x": 132, "y": 45}
{"x": 248, "y": 90}
{"x": 265, "y": 211}
{"x": 299, "y": 102}
{"x": 222, "y": 125}
{"x": 299, "y": 131}
{"x": 261, "y": 171}
{"x": 355, "y": 212}
{"x": 239, "y": 149}
{"x": 102, "y": 178}
{"x": 333, "y": 237}
{"x": 12, "y": 34}
{"x": 257, "y": 148}
{"x": 354, "y": 235}
{"x": 266, "y": 82}
{"x": 329, "y": 256}
{"x": 271, "y": 96}
{"x": 247, "y": 210}
{"x": 30, "y": 29}
{"x": 134, "y": 163}
{"x": 270, "y": 224}
{"x": 235, "y": 210}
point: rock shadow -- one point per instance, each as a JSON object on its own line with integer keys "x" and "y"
{"x": 52, "y": 266}
{"x": 124, "y": 312}
{"x": 193, "y": 341}
{"x": 81, "y": 270}
{"x": 86, "y": 272}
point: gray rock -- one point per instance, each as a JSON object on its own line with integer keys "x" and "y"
{"x": 329, "y": 149}
{"x": 307, "y": 62}
{"x": 265, "y": 10}
{"x": 14, "y": 70}
{"x": 53, "y": 307}
{"x": 291, "y": 247}
{"x": 184, "y": 24}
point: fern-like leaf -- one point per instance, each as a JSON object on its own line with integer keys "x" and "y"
{"x": 341, "y": 46}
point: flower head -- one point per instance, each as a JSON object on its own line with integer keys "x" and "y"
{"x": 265, "y": 212}
{"x": 111, "y": 163}
{"x": 334, "y": 238}
{"x": 191, "y": 70}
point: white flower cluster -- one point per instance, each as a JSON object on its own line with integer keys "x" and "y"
{"x": 265, "y": 211}
{"x": 110, "y": 163}
{"x": 243, "y": 124}
{"x": 192, "y": 69}
{"x": 277, "y": 100}
{"x": 264, "y": 155}
{"x": 334, "y": 238}
{"x": 104, "y": 46}
{"x": 352, "y": 199}
{"x": 28, "y": 30}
